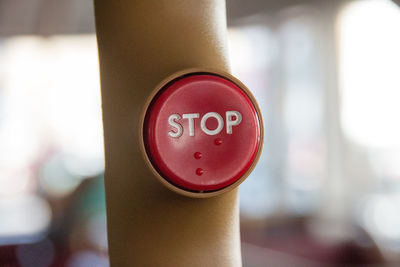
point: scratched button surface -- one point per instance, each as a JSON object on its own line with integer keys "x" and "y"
{"x": 201, "y": 132}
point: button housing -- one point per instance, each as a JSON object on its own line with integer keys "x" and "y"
{"x": 201, "y": 133}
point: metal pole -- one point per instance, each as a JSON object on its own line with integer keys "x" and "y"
{"x": 140, "y": 43}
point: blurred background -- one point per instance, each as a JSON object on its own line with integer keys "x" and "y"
{"x": 327, "y": 77}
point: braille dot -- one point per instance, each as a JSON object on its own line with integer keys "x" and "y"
{"x": 197, "y": 155}
{"x": 199, "y": 171}
{"x": 218, "y": 141}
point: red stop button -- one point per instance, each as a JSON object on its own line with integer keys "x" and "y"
{"x": 202, "y": 132}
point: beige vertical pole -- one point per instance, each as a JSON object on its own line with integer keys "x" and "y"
{"x": 140, "y": 43}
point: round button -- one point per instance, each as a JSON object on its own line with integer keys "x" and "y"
{"x": 202, "y": 132}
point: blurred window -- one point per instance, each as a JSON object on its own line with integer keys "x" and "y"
{"x": 369, "y": 35}
{"x": 50, "y": 126}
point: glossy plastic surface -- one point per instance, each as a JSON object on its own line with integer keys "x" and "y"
{"x": 201, "y": 132}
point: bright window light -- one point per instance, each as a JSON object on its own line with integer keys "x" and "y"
{"x": 369, "y": 63}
